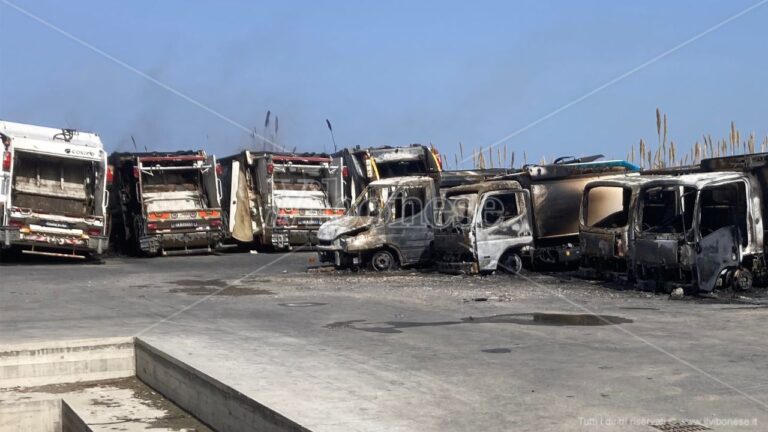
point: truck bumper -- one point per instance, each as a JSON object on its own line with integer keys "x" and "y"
{"x": 285, "y": 238}
{"x": 337, "y": 257}
{"x": 183, "y": 243}
{"x": 12, "y": 236}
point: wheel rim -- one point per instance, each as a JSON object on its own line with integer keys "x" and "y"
{"x": 382, "y": 261}
{"x": 743, "y": 280}
{"x": 513, "y": 263}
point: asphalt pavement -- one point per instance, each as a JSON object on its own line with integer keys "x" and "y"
{"x": 414, "y": 351}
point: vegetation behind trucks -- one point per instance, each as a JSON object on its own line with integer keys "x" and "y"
{"x": 52, "y": 191}
{"x": 279, "y": 200}
{"x": 166, "y": 203}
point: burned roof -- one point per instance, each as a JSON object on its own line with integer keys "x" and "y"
{"x": 128, "y": 156}
{"x": 736, "y": 162}
{"x": 483, "y": 187}
{"x": 401, "y": 181}
{"x": 697, "y": 180}
{"x": 632, "y": 180}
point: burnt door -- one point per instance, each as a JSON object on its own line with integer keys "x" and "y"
{"x": 724, "y": 229}
{"x": 409, "y": 228}
{"x": 715, "y": 253}
{"x": 502, "y": 223}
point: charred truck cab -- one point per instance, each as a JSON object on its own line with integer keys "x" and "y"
{"x": 607, "y": 223}
{"x": 483, "y": 227}
{"x": 166, "y": 203}
{"x": 53, "y": 192}
{"x": 699, "y": 232}
{"x": 279, "y": 200}
{"x": 389, "y": 225}
{"x": 555, "y": 194}
{"x": 606, "y": 226}
{"x": 365, "y": 165}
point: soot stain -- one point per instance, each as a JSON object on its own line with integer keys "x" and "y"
{"x": 302, "y": 304}
{"x": 497, "y": 350}
{"x": 536, "y": 318}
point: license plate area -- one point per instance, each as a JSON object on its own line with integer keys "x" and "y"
{"x": 184, "y": 224}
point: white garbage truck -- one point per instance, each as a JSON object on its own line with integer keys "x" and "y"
{"x": 53, "y": 191}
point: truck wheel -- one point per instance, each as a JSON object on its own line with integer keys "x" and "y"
{"x": 742, "y": 280}
{"x": 511, "y": 263}
{"x": 383, "y": 260}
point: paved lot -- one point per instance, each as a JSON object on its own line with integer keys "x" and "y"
{"x": 413, "y": 351}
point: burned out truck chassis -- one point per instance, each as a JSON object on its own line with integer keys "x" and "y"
{"x": 389, "y": 225}
{"x": 483, "y": 227}
{"x": 700, "y": 232}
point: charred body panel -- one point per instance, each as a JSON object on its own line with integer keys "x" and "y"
{"x": 556, "y": 192}
{"x": 482, "y": 227}
{"x": 166, "y": 203}
{"x": 52, "y": 191}
{"x": 279, "y": 199}
{"x": 389, "y": 225}
{"x": 699, "y": 231}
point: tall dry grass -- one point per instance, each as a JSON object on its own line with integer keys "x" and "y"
{"x": 667, "y": 153}
{"x": 667, "y": 156}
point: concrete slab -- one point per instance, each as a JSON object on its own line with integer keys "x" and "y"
{"x": 413, "y": 352}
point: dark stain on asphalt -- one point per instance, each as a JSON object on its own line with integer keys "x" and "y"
{"x": 302, "y": 304}
{"x": 497, "y": 350}
{"x": 342, "y": 324}
{"x": 202, "y": 287}
{"x": 536, "y": 318}
{"x": 232, "y": 291}
{"x": 201, "y": 283}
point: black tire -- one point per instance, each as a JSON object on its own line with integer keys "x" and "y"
{"x": 510, "y": 263}
{"x": 383, "y": 260}
{"x": 742, "y": 280}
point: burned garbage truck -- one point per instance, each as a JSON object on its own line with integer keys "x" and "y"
{"x": 52, "y": 191}
{"x": 555, "y": 192}
{"x": 703, "y": 231}
{"x": 166, "y": 203}
{"x": 364, "y": 165}
{"x": 279, "y": 200}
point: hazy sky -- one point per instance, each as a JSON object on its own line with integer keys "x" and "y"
{"x": 393, "y": 72}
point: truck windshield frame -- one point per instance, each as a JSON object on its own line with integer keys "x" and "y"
{"x": 667, "y": 209}
{"x": 459, "y": 209}
{"x": 372, "y": 200}
{"x": 602, "y": 209}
